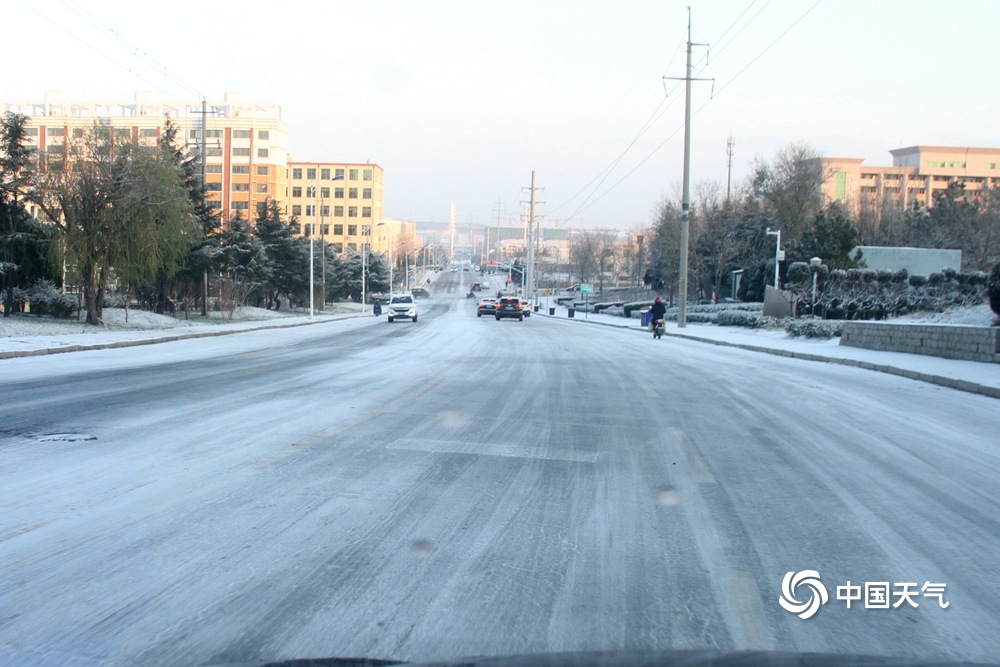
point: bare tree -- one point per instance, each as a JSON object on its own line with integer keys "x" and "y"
{"x": 790, "y": 187}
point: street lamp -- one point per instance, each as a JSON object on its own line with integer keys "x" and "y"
{"x": 777, "y": 253}
{"x": 814, "y": 265}
{"x": 312, "y": 236}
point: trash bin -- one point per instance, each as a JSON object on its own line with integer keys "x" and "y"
{"x": 570, "y": 312}
{"x": 536, "y": 307}
{"x": 646, "y": 316}
{"x": 552, "y": 311}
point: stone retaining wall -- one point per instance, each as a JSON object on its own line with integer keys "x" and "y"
{"x": 938, "y": 340}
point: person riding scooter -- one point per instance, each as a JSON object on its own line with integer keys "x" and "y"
{"x": 377, "y": 309}
{"x": 657, "y": 312}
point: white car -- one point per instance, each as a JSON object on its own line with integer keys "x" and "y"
{"x": 401, "y": 305}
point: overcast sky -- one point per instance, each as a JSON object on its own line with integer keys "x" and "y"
{"x": 459, "y": 100}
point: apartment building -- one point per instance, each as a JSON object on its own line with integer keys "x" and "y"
{"x": 245, "y": 141}
{"x": 340, "y": 202}
{"x": 916, "y": 174}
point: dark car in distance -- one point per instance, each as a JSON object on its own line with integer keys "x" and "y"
{"x": 487, "y": 306}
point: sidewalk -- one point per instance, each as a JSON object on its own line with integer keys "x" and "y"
{"x": 972, "y": 376}
{"x": 64, "y": 337}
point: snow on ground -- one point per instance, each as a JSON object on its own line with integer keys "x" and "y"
{"x": 26, "y": 333}
{"x": 29, "y": 332}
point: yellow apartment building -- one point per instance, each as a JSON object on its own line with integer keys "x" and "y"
{"x": 916, "y": 174}
{"x": 245, "y": 141}
{"x": 341, "y": 202}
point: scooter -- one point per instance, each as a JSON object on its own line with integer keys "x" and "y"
{"x": 377, "y": 309}
{"x": 470, "y": 295}
{"x": 659, "y": 326}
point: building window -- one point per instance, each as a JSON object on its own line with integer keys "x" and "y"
{"x": 241, "y": 152}
{"x": 841, "y": 186}
{"x": 297, "y": 191}
{"x": 56, "y": 132}
{"x": 297, "y": 174}
{"x": 33, "y": 131}
{"x": 213, "y": 151}
{"x": 241, "y": 187}
{"x": 338, "y": 212}
{"x": 352, "y": 193}
{"x": 214, "y": 204}
{"x": 262, "y": 171}
{"x": 324, "y": 210}
{"x": 367, "y": 174}
{"x": 307, "y": 229}
{"x": 338, "y": 230}
{"x": 193, "y": 134}
{"x": 338, "y": 173}
{"x": 241, "y": 169}
{"x": 261, "y": 152}
{"x": 241, "y": 134}
{"x": 213, "y": 187}
{"x": 311, "y": 173}
{"x": 296, "y": 209}
{"x": 241, "y": 205}
{"x": 324, "y": 230}
{"x": 213, "y": 168}
{"x": 352, "y": 246}
{"x": 123, "y": 133}
{"x": 352, "y": 211}
{"x": 148, "y": 132}
{"x": 325, "y": 174}
{"x": 337, "y": 247}
{"x": 366, "y": 230}
{"x": 263, "y": 135}
{"x": 993, "y": 165}
{"x": 956, "y": 165}
{"x": 310, "y": 210}
{"x": 324, "y": 193}
{"x": 352, "y": 230}
{"x": 366, "y": 211}
{"x": 338, "y": 193}
{"x": 935, "y": 164}
{"x": 366, "y": 193}
{"x": 353, "y": 174}
{"x": 213, "y": 134}
{"x": 262, "y": 188}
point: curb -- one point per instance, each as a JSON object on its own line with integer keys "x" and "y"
{"x": 940, "y": 380}
{"x": 165, "y": 339}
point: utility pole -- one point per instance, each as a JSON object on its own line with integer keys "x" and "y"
{"x": 730, "y": 143}
{"x": 202, "y": 148}
{"x": 451, "y": 233}
{"x": 686, "y": 200}
{"x": 532, "y": 238}
{"x": 500, "y": 214}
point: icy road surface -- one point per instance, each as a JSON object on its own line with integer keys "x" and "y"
{"x": 462, "y": 486}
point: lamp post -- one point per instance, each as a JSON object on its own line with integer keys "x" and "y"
{"x": 777, "y": 253}
{"x": 814, "y": 265}
{"x": 312, "y": 236}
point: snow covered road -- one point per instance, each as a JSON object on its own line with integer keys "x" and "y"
{"x": 461, "y": 486}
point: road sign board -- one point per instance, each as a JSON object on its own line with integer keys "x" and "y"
{"x": 586, "y": 288}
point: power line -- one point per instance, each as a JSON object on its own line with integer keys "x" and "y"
{"x": 134, "y": 50}
{"x": 587, "y": 205}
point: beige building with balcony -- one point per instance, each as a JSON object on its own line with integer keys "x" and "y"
{"x": 916, "y": 175}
